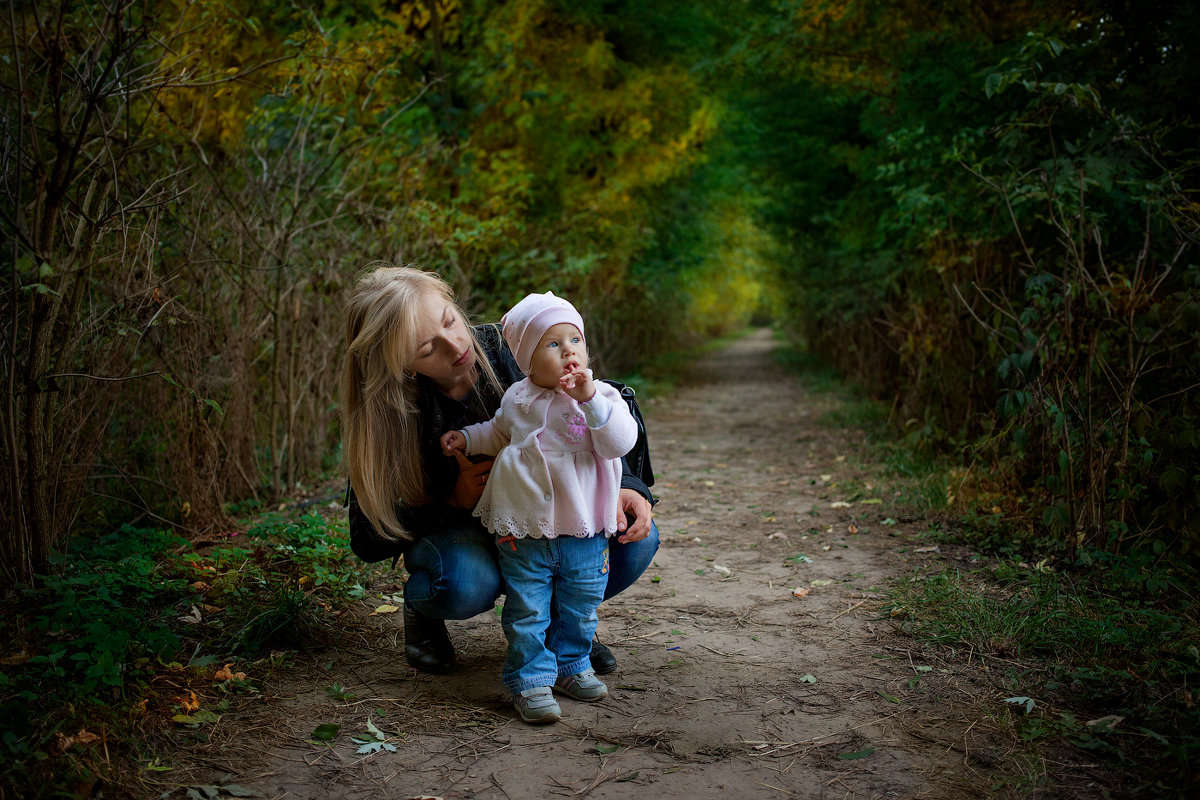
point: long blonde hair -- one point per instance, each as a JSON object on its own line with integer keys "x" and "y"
{"x": 381, "y": 420}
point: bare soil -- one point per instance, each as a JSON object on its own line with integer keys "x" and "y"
{"x": 729, "y": 684}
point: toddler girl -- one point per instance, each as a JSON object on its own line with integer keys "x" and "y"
{"x": 551, "y": 500}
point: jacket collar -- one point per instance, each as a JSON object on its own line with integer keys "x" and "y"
{"x": 526, "y": 392}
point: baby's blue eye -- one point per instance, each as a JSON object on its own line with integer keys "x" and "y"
{"x": 552, "y": 344}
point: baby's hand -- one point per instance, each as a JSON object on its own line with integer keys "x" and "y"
{"x": 453, "y": 442}
{"x": 577, "y": 383}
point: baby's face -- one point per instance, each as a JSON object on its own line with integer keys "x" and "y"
{"x": 559, "y": 351}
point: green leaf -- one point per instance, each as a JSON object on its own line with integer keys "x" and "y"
{"x": 856, "y": 755}
{"x": 326, "y": 732}
{"x": 604, "y": 748}
{"x": 810, "y": 678}
{"x": 887, "y": 696}
{"x": 1025, "y": 701}
{"x": 371, "y": 729}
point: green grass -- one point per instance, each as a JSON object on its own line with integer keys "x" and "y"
{"x": 1091, "y": 645}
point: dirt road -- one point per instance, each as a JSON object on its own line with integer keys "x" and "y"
{"x": 730, "y": 685}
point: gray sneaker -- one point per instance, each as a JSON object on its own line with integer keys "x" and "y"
{"x": 583, "y": 686}
{"x": 537, "y": 705}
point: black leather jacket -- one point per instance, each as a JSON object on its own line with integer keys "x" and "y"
{"x": 442, "y": 413}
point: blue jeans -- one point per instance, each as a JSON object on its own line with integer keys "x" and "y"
{"x": 568, "y": 575}
{"x": 454, "y": 572}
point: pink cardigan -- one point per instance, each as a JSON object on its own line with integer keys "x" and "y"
{"x": 554, "y": 475}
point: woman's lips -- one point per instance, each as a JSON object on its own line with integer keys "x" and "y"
{"x": 463, "y": 358}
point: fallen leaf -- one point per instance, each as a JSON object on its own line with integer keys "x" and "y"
{"x": 201, "y": 586}
{"x": 800, "y": 591}
{"x": 886, "y": 696}
{"x": 188, "y": 702}
{"x": 385, "y": 609}
{"x": 808, "y": 679}
{"x": 856, "y": 755}
{"x": 778, "y": 535}
{"x": 1102, "y": 725}
{"x": 839, "y": 504}
{"x": 15, "y": 658}
{"x": 87, "y": 737}
{"x": 604, "y": 748}
{"x": 853, "y": 529}
{"x": 374, "y": 731}
{"x": 326, "y": 731}
{"x": 821, "y": 582}
{"x": 723, "y": 570}
{"x": 933, "y": 549}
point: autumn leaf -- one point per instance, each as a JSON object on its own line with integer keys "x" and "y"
{"x": 385, "y": 609}
{"x": 188, "y": 702}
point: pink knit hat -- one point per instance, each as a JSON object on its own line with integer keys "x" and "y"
{"x": 527, "y": 321}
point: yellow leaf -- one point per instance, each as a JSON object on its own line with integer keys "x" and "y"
{"x": 385, "y": 609}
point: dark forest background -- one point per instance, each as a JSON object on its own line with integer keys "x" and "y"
{"x": 984, "y": 213}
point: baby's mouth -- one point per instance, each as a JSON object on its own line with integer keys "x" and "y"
{"x": 571, "y": 365}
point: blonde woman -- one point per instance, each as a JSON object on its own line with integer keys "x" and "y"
{"x": 415, "y": 369}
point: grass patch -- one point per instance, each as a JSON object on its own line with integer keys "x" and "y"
{"x": 137, "y": 609}
{"x": 1108, "y": 666}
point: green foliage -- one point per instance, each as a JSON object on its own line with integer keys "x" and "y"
{"x": 128, "y": 606}
{"x": 985, "y": 224}
{"x": 92, "y": 634}
{"x": 108, "y": 608}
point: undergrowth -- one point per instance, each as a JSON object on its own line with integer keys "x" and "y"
{"x": 93, "y": 645}
{"x": 1108, "y": 644}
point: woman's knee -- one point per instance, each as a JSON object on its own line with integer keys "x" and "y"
{"x": 629, "y": 561}
{"x": 452, "y": 576}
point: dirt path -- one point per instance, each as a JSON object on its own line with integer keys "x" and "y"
{"x": 729, "y": 685}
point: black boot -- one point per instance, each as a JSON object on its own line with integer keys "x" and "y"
{"x": 603, "y": 661}
{"x": 426, "y": 645}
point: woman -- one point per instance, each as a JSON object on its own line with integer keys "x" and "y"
{"x": 414, "y": 370}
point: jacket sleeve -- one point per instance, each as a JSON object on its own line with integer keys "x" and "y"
{"x": 489, "y": 437}
{"x": 618, "y": 434}
{"x": 365, "y": 541}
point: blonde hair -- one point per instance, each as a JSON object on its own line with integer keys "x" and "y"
{"x": 381, "y": 419}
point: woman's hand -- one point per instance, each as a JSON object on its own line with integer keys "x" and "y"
{"x": 471, "y": 478}
{"x": 632, "y": 503}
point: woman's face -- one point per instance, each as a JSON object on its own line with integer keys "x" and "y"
{"x": 444, "y": 353}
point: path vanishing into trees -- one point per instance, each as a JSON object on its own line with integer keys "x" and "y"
{"x": 731, "y": 684}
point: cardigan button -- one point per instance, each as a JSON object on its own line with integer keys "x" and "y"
{"x": 547, "y": 496}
